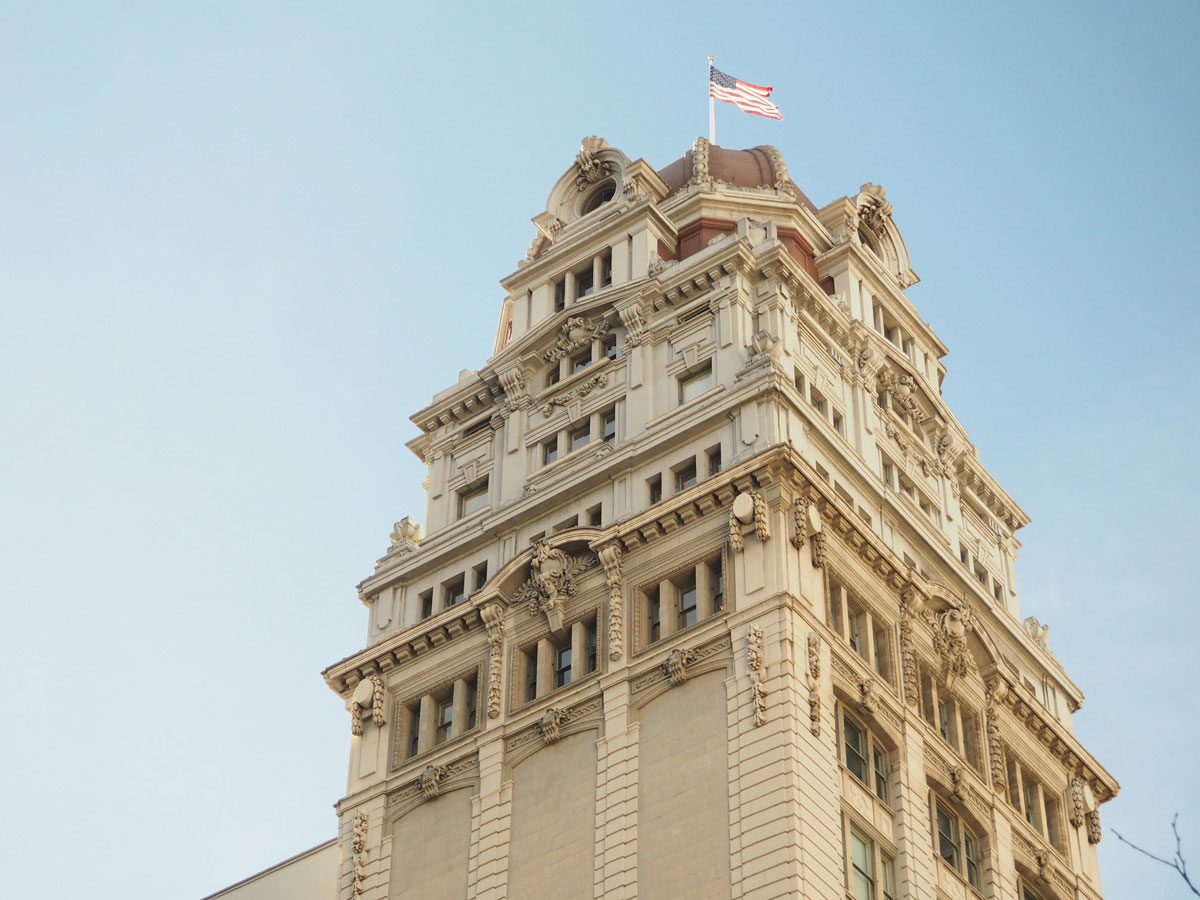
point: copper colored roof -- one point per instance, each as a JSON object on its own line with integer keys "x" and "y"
{"x": 741, "y": 168}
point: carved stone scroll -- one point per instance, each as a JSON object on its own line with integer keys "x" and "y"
{"x": 799, "y": 525}
{"x": 754, "y": 661}
{"x": 762, "y": 525}
{"x": 610, "y": 558}
{"x": 813, "y": 678}
{"x": 1092, "y": 821}
{"x": 817, "y": 545}
{"x": 996, "y": 689}
{"x": 430, "y": 781}
{"x": 359, "y": 845}
{"x": 675, "y": 666}
{"x": 576, "y": 332}
{"x": 950, "y": 628}
{"x": 869, "y": 699}
{"x": 1077, "y": 808}
{"x": 552, "y": 581}
{"x": 493, "y": 618}
{"x": 550, "y": 723}
{"x": 910, "y": 605}
{"x": 589, "y": 167}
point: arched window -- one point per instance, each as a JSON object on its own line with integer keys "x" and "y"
{"x": 599, "y": 197}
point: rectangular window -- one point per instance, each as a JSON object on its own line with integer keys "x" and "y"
{"x": 562, "y": 666}
{"x": 882, "y": 658}
{"x": 855, "y": 739}
{"x": 686, "y": 602}
{"x": 581, "y": 361}
{"x": 862, "y": 866}
{"x": 480, "y": 576}
{"x": 589, "y": 646}
{"x": 971, "y": 854}
{"x": 443, "y": 720}
{"x": 426, "y": 603}
{"x": 606, "y": 269}
{"x": 887, "y": 871}
{"x": 584, "y": 285}
{"x": 472, "y": 499}
{"x": 693, "y": 384}
{"x": 879, "y": 763}
{"x": 608, "y": 427}
{"x": 530, "y": 661}
{"x": 839, "y": 424}
{"x": 654, "y": 485}
{"x": 560, "y": 295}
{"x": 653, "y": 621}
{"x": 817, "y": 399}
{"x": 566, "y": 524}
{"x": 580, "y": 437}
{"x": 595, "y": 515}
{"x": 414, "y": 729}
{"x": 454, "y": 592}
{"x": 550, "y": 450}
{"x": 685, "y": 476}
{"x": 608, "y": 348}
{"x": 798, "y": 381}
{"x": 946, "y": 721}
{"x": 716, "y": 584}
{"x": 714, "y": 461}
{"x": 553, "y": 374}
{"x": 472, "y": 700}
{"x": 947, "y": 827}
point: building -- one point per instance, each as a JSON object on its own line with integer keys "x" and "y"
{"x": 714, "y": 598}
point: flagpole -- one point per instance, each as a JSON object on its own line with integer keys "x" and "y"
{"x": 712, "y": 118}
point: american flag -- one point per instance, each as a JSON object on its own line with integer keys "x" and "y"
{"x": 747, "y": 97}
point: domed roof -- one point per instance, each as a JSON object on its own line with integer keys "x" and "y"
{"x": 740, "y": 168}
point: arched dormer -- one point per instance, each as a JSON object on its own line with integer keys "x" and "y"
{"x": 595, "y": 180}
{"x": 877, "y": 231}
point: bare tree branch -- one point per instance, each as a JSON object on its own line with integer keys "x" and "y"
{"x": 1179, "y": 864}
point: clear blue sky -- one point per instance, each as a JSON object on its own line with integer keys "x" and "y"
{"x": 241, "y": 243}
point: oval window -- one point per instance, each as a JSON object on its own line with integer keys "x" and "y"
{"x": 599, "y": 197}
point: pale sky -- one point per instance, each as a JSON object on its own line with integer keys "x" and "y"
{"x": 241, "y": 243}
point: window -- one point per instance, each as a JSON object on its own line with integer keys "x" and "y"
{"x": 562, "y": 666}
{"x": 444, "y": 720}
{"x": 714, "y": 461}
{"x": 606, "y": 268}
{"x": 454, "y": 592}
{"x": 870, "y": 871}
{"x": 596, "y": 515}
{"x": 867, "y": 636}
{"x": 553, "y": 375}
{"x": 579, "y": 437}
{"x": 426, "y": 598}
{"x": 414, "y": 729}
{"x": 798, "y": 381}
{"x": 550, "y": 450}
{"x": 956, "y": 724}
{"x": 480, "y": 573}
{"x": 681, "y": 600}
{"x": 1040, "y": 806}
{"x": 866, "y": 758}
{"x": 653, "y": 617}
{"x": 472, "y": 499}
{"x": 862, "y": 866}
{"x": 817, "y": 399}
{"x": 686, "y": 601}
{"x": 693, "y": 384}
{"x": 581, "y": 361}
{"x": 839, "y": 424}
{"x": 530, "y": 662}
{"x": 561, "y": 661}
{"x": 560, "y": 295}
{"x": 608, "y": 426}
{"x": 957, "y": 846}
{"x": 603, "y": 194}
{"x": 654, "y": 487}
{"x": 608, "y": 347}
{"x": 584, "y": 286}
{"x": 685, "y": 476}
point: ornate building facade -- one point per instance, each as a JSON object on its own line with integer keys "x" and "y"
{"x": 713, "y": 598}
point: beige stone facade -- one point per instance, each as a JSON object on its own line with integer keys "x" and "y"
{"x": 714, "y": 598}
